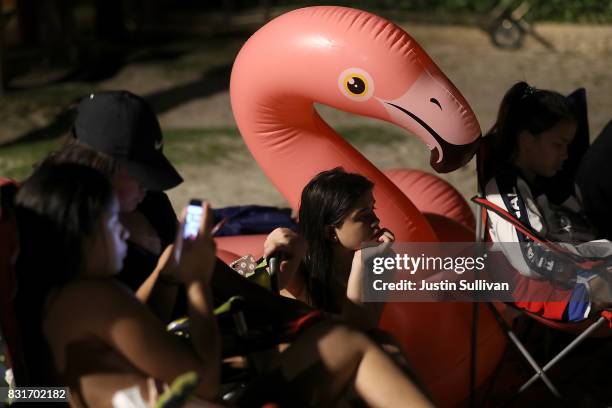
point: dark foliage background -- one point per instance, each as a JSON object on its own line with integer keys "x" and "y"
{"x": 556, "y": 10}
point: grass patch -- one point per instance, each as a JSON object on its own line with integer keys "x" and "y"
{"x": 16, "y": 161}
{"x": 47, "y": 96}
{"x": 196, "y": 146}
{"x": 185, "y": 147}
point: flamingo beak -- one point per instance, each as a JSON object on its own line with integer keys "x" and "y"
{"x": 455, "y": 156}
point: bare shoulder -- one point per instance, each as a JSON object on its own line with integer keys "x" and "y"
{"x": 96, "y": 289}
{"x": 87, "y": 298}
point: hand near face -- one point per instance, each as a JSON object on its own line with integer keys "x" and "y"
{"x": 380, "y": 247}
{"x": 385, "y": 236}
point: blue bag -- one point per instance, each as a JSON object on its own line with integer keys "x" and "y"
{"x": 252, "y": 219}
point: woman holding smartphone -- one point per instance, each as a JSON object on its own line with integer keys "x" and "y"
{"x": 99, "y": 337}
{"x": 85, "y": 330}
{"x": 117, "y": 133}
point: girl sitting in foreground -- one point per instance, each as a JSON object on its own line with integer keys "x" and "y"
{"x": 324, "y": 267}
{"x": 85, "y": 330}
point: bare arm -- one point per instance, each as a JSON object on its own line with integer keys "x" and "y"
{"x": 293, "y": 246}
{"x": 204, "y": 332}
{"x": 354, "y": 310}
{"x": 107, "y": 311}
{"x": 134, "y": 332}
{"x": 159, "y": 291}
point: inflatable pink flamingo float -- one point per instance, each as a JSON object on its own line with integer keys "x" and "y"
{"x": 363, "y": 64}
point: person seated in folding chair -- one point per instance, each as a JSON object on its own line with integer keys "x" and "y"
{"x": 86, "y": 330}
{"x": 526, "y": 147}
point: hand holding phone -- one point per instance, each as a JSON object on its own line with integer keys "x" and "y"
{"x": 194, "y": 248}
{"x": 193, "y": 219}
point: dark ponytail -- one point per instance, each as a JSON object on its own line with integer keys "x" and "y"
{"x": 522, "y": 108}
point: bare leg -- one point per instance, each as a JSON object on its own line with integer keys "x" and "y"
{"x": 328, "y": 358}
{"x": 382, "y": 384}
{"x": 323, "y": 361}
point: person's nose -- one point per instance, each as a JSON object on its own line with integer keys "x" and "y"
{"x": 375, "y": 221}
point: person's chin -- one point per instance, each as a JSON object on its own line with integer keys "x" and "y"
{"x": 549, "y": 173}
{"x": 120, "y": 262}
{"x": 375, "y": 234}
{"x": 127, "y": 207}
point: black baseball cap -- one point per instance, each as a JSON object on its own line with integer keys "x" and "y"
{"x": 124, "y": 126}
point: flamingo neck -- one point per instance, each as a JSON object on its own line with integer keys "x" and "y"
{"x": 278, "y": 118}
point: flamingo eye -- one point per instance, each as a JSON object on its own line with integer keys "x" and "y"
{"x": 356, "y": 84}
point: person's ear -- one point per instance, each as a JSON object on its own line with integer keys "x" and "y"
{"x": 330, "y": 233}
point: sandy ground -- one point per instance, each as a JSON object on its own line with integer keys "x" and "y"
{"x": 582, "y": 58}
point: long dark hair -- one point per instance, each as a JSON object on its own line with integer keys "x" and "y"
{"x": 522, "y": 108}
{"x": 326, "y": 201}
{"x": 57, "y": 208}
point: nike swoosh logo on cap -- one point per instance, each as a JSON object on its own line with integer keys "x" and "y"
{"x": 158, "y": 144}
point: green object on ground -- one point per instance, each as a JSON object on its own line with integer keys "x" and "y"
{"x": 179, "y": 392}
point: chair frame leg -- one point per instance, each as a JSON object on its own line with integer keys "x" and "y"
{"x": 565, "y": 351}
{"x": 540, "y": 372}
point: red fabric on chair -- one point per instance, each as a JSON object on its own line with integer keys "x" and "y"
{"x": 608, "y": 315}
{"x": 546, "y": 309}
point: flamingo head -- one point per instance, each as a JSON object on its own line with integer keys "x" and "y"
{"x": 367, "y": 65}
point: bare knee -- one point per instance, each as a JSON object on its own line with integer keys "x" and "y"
{"x": 343, "y": 342}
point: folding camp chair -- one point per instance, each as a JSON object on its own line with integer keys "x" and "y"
{"x": 595, "y": 325}
{"x": 592, "y": 326}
